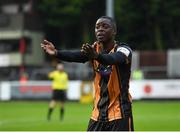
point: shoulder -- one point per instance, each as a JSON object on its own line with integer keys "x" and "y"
{"x": 124, "y": 48}
{"x": 65, "y": 73}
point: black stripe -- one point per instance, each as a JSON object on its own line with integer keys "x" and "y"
{"x": 125, "y": 102}
{"x": 123, "y": 73}
{"x": 104, "y": 99}
{"x": 120, "y": 88}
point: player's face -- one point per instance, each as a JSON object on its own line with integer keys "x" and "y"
{"x": 104, "y": 30}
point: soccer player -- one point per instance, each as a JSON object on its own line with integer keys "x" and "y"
{"x": 111, "y": 62}
{"x": 59, "y": 86}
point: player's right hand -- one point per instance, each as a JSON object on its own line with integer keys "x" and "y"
{"x": 49, "y": 47}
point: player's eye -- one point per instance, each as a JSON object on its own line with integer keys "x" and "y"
{"x": 106, "y": 26}
{"x": 97, "y": 26}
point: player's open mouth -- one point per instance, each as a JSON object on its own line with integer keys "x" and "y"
{"x": 100, "y": 35}
{"x": 100, "y": 38}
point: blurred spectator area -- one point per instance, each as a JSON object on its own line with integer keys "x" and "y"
{"x": 20, "y": 36}
{"x": 154, "y": 65}
{"x": 19, "y": 15}
{"x": 76, "y": 71}
{"x": 158, "y": 64}
{"x": 20, "y": 21}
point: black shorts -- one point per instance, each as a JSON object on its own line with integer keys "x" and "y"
{"x": 125, "y": 124}
{"x": 59, "y": 95}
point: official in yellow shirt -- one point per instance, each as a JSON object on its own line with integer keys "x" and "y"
{"x": 59, "y": 86}
{"x": 137, "y": 74}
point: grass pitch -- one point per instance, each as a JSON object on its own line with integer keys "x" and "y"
{"x": 31, "y": 116}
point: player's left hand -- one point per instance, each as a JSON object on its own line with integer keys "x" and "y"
{"x": 89, "y": 51}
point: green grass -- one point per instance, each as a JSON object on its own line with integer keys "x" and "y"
{"x": 31, "y": 116}
{"x": 159, "y": 116}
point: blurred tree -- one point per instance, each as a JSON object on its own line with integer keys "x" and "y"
{"x": 144, "y": 24}
{"x": 60, "y": 13}
{"x": 58, "y": 17}
{"x": 70, "y": 20}
{"x": 150, "y": 24}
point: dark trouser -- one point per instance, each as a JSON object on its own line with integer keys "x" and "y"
{"x": 125, "y": 124}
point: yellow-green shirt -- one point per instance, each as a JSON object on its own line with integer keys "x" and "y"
{"x": 137, "y": 75}
{"x": 60, "y": 80}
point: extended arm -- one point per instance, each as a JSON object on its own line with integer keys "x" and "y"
{"x": 71, "y": 56}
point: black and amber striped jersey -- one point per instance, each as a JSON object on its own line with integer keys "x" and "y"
{"x": 112, "y": 74}
{"x": 111, "y": 83}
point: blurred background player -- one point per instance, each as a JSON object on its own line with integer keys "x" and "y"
{"x": 59, "y": 86}
{"x": 137, "y": 74}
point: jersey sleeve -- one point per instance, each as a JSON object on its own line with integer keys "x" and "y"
{"x": 122, "y": 55}
{"x": 126, "y": 52}
{"x": 72, "y": 56}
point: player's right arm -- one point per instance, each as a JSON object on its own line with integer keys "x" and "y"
{"x": 64, "y": 55}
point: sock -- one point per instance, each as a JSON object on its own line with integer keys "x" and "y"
{"x": 49, "y": 113}
{"x": 61, "y": 113}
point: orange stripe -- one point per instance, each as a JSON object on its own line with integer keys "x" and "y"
{"x": 95, "y": 112}
{"x": 113, "y": 95}
{"x": 130, "y": 124}
{"x": 114, "y": 111}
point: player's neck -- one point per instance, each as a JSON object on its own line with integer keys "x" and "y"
{"x": 108, "y": 45}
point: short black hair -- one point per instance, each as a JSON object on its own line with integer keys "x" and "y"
{"x": 111, "y": 20}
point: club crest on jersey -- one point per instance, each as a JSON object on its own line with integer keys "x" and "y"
{"x": 124, "y": 50}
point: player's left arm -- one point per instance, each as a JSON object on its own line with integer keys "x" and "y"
{"x": 122, "y": 55}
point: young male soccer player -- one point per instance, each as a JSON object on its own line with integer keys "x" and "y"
{"x": 111, "y": 61}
